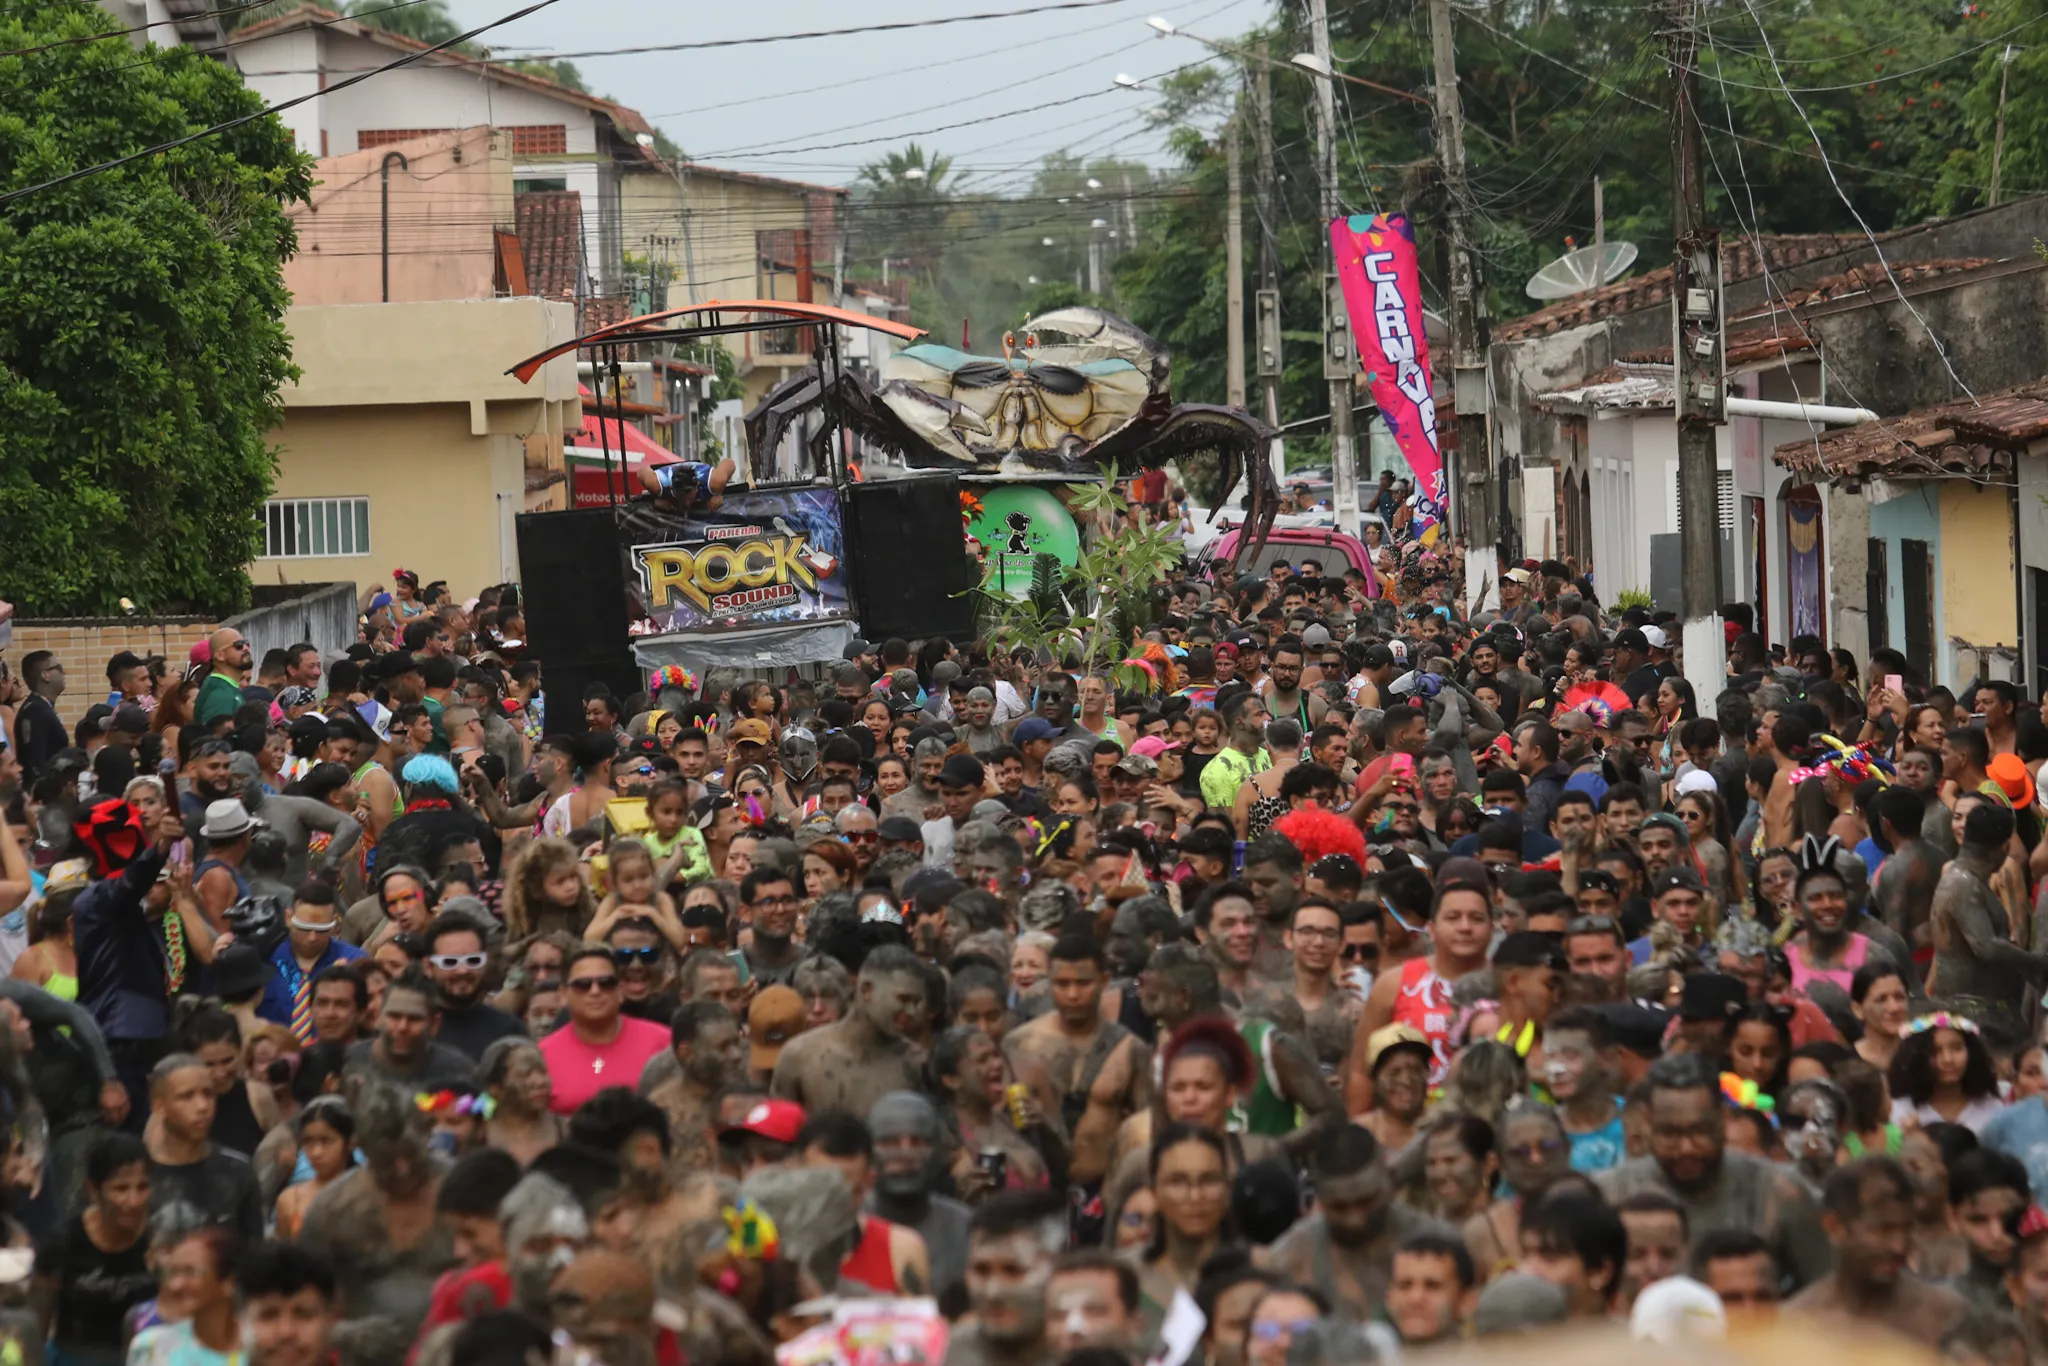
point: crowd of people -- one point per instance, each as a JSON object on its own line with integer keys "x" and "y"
{"x": 1339, "y": 971}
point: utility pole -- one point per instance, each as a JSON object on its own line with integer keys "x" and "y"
{"x": 1233, "y": 268}
{"x": 1469, "y": 482}
{"x": 1998, "y": 133}
{"x": 1269, "y": 259}
{"x": 1340, "y": 358}
{"x": 1698, "y": 366}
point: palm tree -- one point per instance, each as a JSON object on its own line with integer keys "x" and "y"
{"x": 905, "y": 200}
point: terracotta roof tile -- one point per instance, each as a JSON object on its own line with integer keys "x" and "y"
{"x": 1968, "y": 436}
{"x": 550, "y": 224}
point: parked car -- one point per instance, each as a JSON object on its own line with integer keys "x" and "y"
{"x": 1334, "y": 551}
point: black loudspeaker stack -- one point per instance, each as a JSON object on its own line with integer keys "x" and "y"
{"x": 912, "y": 571}
{"x": 572, "y": 580}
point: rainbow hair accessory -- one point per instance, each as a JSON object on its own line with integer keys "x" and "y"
{"x": 438, "y": 1103}
{"x": 1941, "y": 1019}
{"x": 750, "y": 1233}
{"x": 1744, "y": 1094}
{"x": 671, "y": 676}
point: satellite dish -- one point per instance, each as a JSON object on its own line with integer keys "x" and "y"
{"x": 1575, "y": 272}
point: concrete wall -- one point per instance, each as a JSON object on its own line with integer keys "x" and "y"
{"x": 408, "y": 405}
{"x": 1980, "y": 607}
{"x": 444, "y": 207}
{"x": 2032, "y": 506}
{"x": 1993, "y": 328}
{"x": 324, "y": 616}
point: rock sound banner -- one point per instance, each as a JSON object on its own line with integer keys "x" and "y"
{"x": 1383, "y": 296}
{"x": 767, "y": 557}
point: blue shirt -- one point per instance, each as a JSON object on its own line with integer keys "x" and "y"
{"x": 1872, "y": 856}
{"x": 285, "y": 976}
{"x": 2021, "y": 1131}
{"x": 122, "y": 965}
{"x": 1601, "y": 1148}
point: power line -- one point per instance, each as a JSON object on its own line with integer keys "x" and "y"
{"x": 825, "y": 33}
{"x": 160, "y": 148}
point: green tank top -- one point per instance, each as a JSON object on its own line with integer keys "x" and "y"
{"x": 1265, "y": 1110}
{"x": 397, "y": 798}
{"x": 63, "y": 986}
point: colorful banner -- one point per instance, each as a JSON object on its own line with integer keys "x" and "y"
{"x": 768, "y": 557}
{"x": 1383, "y": 296}
{"x": 1018, "y": 523}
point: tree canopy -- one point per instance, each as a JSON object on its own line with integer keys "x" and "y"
{"x": 142, "y": 342}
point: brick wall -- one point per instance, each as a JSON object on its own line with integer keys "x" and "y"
{"x": 85, "y": 644}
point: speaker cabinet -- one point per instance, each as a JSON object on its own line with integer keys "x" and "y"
{"x": 573, "y": 583}
{"x": 911, "y": 564}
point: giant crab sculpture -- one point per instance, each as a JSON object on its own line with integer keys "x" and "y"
{"x": 1096, "y": 401}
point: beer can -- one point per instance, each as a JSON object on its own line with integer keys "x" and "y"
{"x": 1015, "y": 1095}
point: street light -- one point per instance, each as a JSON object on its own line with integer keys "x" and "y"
{"x": 1127, "y": 81}
{"x": 1093, "y": 183}
{"x": 914, "y": 173}
{"x": 1162, "y": 27}
{"x": 1312, "y": 63}
{"x": 1046, "y": 242}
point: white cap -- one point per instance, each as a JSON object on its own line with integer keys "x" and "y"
{"x": 1655, "y": 635}
{"x": 1677, "y": 1309}
{"x": 1697, "y": 780}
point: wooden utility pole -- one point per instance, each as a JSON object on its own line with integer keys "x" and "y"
{"x": 1469, "y": 488}
{"x": 1698, "y": 373}
{"x": 1269, "y": 257}
{"x": 1233, "y": 268}
{"x": 1340, "y": 357}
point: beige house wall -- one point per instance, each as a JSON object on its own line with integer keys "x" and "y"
{"x": 408, "y": 406}
{"x": 446, "y": 202}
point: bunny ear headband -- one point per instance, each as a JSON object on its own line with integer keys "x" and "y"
{"x": 1816, "y": 858}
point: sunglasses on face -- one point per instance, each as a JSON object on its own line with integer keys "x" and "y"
{"x": 589, "y": 984}
{"x": 1361, "y": 953}
{"x": 459, "y": 962}
{"x": 861, "y": 837}
{"x": 648, "y": 954}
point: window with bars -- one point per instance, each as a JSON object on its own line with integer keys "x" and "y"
{"x": 300, "y": 528}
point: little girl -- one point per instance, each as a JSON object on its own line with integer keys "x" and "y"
{"x": 677, "y": 845}
{"x": 327, "y": 1139}
{"x": 636, "y": 895}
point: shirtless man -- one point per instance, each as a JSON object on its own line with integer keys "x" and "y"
{"x": 852, "y": 1063}
{"x": 1869, "y": 1219}
{"x": 1903, "y": 891}
{"x": 706, "y": 1040}
{"x": 1346, "y": 1248}
{"x": 1100, "y": 1069}
{"x": 1329, "y": 1005}
{"x": 1978, "y": 970}
{"x": 1789, "y": 735}
{"x": 378, "y": 1227}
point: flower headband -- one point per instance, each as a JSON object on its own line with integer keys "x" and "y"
{"x": 1940, "y": 1019}
{"x": 1745, "y": 1094}
{"x": 438, "y": 1103}
{"x": 671, "y": 676}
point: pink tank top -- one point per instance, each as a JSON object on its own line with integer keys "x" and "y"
{"x": 1802, "y": 973}
{"x": 1424, "y": 1001}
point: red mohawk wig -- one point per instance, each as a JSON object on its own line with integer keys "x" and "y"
{"x": 1317, "y": 833}
{"x": 1213, "y": 1036}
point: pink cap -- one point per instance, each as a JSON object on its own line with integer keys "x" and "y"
{"x": 202, "y": 653}
{"x": 1152, "y": 746}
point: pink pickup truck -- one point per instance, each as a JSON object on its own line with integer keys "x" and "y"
{"x": 1334, "y": 551}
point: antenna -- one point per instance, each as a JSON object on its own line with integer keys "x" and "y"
{"x": 1575, "y": 272}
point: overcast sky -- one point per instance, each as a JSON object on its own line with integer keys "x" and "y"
{"x": 766, "y": 108}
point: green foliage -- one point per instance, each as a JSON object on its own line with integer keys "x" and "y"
{"x": 1633, "y": 597}
{"x": 566, "y": 73}
{"x": 427, "y": 21}
{"x": 1093, "y": 609}
{"x": 141, "y": 320}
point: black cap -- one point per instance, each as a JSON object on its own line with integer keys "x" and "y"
{"x": 396, "y": 663}
{"x": 1378, "y": 657}
{"x": 1598, "y": 878}
{"x": 1528, "y": 949}
{"x": 1712, "y": 996}
{"x": 857, "y": 647}
{"x": 1208, "y": 840}
{"x": 1679, "y": 876}
{"x": 1639, "y": 1029}
{"x": 962, "y": 770}
{"x": 1631, "y": 639}
{"x": 239, "y": 971}
{"x": 899, "y": 830}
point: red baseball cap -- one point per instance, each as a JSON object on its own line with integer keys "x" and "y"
{"x": 778, "y": 1121}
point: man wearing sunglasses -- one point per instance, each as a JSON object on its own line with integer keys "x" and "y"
{"x": 457, "y": 962}
{"x": 309, "y": 947}
{"x": 600, "y": 1046}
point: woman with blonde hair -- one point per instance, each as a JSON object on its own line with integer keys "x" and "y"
{"x": 545, "y": 891}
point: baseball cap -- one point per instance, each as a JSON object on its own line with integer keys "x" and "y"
{"x": 778, "y": 1121}
{"x": 1378, "y": 657}
{"x": 857, "y": 647}
{"x": 1656, "y": 637}
{"x": 1389, "y": 1037}
{"x": 1316, "y": 635}
{"x": 775, "y": 1017}
{"x": 1631, "y": 639}
{"x": 1209, "y": 841}
{"x": 751, "y": 731}
{"x": 1712, "y": 996}
{"x": 1679, "y": 877}
{"x": 1224, "y": 650}
{"x": 1152, "y": 746}
{"x": 1138, "y": 765}
{"x": 962, "y": 770}
{"x": 1033, "y": 728}
{"x": 1466, "y": 873}
{"x": 1517, "y": 575}
{"x": 899, "y": 830}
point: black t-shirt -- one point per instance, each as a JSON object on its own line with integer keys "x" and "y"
{"x": 95, "y": 1289}
{"x": 469, "y": 1032}
{"x": 221, "y": 1186}
{"x": 659, "y": 1009}
{"x": 234, "y": 1122}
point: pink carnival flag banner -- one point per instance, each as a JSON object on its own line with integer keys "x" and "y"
{"x": 1383, "y": 295}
